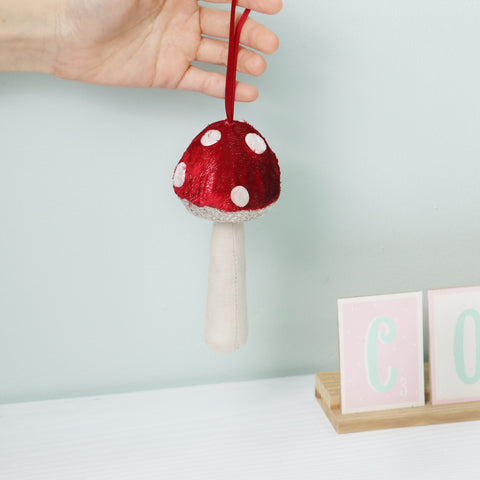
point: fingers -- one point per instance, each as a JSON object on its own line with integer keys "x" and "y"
{"x": 263, "y": 6}
{"x": 213, "y": 84}
{"x": 216, "y": 23}
{"x": 216, "y": 52}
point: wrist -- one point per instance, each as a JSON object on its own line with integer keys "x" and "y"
{"x": 27, "y": 35}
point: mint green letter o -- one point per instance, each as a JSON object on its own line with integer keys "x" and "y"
{"x": 458, "y": 346}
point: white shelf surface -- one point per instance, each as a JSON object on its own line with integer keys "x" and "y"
{"x": 265, "y": 429}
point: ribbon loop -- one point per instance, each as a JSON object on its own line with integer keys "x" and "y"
{"x": 233, "y": 44}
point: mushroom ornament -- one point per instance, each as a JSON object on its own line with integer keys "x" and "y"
{"x": 228, "y": 175}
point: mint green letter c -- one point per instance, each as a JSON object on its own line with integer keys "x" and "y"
{"x": 373, "y": 336}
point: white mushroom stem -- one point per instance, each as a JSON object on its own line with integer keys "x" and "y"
{"x": 226, "y": 326}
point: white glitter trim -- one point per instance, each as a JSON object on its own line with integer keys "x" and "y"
{"x": 220, "y": 216}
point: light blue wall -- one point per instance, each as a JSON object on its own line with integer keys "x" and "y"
{"x": 373, "y": 109}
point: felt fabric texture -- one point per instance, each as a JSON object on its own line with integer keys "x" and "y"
{"x": 226, "y": 327}
{"x": 210, "y": 170}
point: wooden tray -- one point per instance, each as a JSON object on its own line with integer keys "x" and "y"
{"x": 327, "y": 392}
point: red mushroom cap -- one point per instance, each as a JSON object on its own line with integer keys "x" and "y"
{"x": 228, "y": 173}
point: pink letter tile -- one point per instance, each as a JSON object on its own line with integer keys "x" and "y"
{"x": 381, "y": 352}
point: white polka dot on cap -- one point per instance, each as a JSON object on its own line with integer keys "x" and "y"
{"x": 179, "y": 175}
{"x": 240, "y": 196}
{"x": 256, "y": 143}
{"x": 210, "y": 137}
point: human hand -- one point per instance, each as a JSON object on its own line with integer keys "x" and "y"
{"x": 152, "y": 43}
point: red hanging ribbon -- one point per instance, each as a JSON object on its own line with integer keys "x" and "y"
{"x": 233, "y": 43}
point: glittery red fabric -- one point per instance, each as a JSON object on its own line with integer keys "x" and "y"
{"x": 213, "y": 171}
